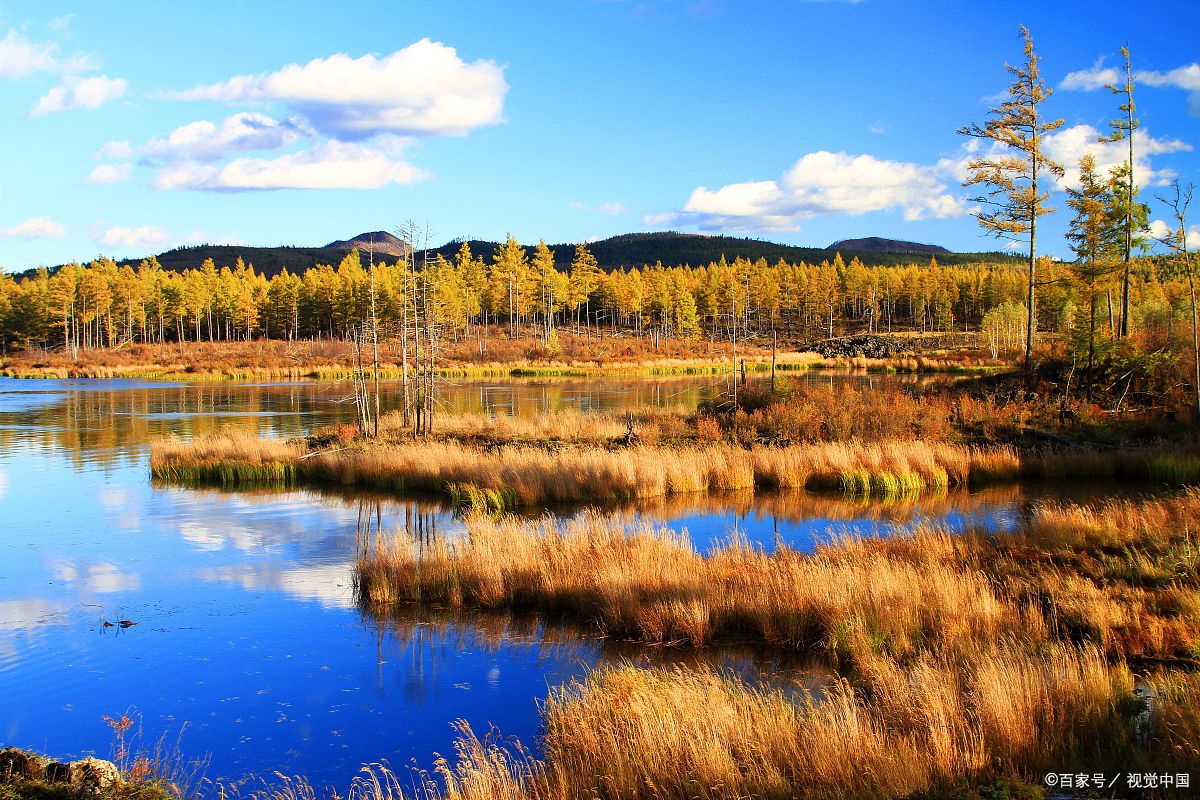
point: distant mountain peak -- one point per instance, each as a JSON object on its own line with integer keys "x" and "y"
{"x": 382, "y": 242}
{"x": 876, "y": 244}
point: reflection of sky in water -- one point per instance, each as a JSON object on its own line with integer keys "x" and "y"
{"x": 246, "y": 626}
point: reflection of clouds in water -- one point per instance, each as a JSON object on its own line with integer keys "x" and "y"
{"x": 122, "y": 507}
{"x": 210, "y": 538}
{"x": 31, "y": 613}
{"x": 102, "y": 578}
{"x": 328, "y": 584}
{"x": 112, "y": 497}
{"x": 3, "y": 482}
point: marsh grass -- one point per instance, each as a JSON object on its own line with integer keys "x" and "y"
{"x": 1123, "y": 573}
{"x": 634, "y": 580}
{"x": 477, "y": 472}
{"x": 524, "y": 476}
{"x": 972, "y": 658}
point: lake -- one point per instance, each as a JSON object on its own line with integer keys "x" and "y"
{"x": 247, "y": 636}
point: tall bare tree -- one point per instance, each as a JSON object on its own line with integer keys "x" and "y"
{"x": 1012, "y": 171}
{"x": 1177, "y": 241}
{"x": 1122, "y": 130}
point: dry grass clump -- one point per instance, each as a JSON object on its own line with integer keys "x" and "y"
{"x": 802, "y": 413}
{"x": 229, "y": 457}
{"x": 908, "y": 729}
{"x": 556, "y": 428}
{"x": 851, "y": 598}
{"x": 1123, "y": 573}
{"x": 516, "y": 476}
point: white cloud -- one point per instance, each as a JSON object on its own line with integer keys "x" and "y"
{"x": 110, "y": 173}
{"x": 20, "y": 57}
{"x": 36, "y": 228}
{"x": 332, "y": 165}
{"x": 207, "y": 142}
{"x": 1086, "y": 80}
{"x": 116, "y": 151}
{"x": 1068, "y": 145}
{"x": 611, "y": 209}
{"x": 820, "y": 183}
{"x": 423, "y": 89}
{"x": 1161, "y": 230}
{"x": 143, "y": 236}
{"x": 1186, "y": 77}
{"x": 76, "y": 93}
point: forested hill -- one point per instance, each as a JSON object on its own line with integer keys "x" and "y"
{"x": 630, "y": 249}
{"x": 677, "y": 249}
{"x": 875, "y": 244}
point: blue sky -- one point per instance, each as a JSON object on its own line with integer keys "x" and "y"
{"x": 133, "y": 127}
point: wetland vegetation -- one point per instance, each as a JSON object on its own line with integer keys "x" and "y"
{"x": 531, "y": 550}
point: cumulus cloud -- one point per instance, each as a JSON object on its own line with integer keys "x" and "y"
{"x": 143, "y": 236}
{"x": 332, "y": 165}
{"x": 1068, "y": 145}
{"x": 1160, "y": 230}
{"x": 424, "y": 89}
{"x": 1086, "y": 80}
{"x": 36, "y": 228}
{"x": 611, "y": 209}
{"x": 207, "y": 142}
{"x": 1098, "y": 76}
{"x": 109, "y": 173}
{"x": 1186, "y": 77}
{"x": 80, "y": 93}
{"x": 820, "y": 183}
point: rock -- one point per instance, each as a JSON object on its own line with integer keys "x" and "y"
{"x": 864, "y": 346}
{"x": 17, "y": 765}
{"x": 91, "y": 776}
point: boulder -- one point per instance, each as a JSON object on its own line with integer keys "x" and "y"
{"x": 91, "y": 776}
{"x": 18, "y": 765}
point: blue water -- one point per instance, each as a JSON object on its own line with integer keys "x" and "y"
{"x": 247, "y": 637}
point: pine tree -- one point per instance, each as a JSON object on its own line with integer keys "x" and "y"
{"x": 1012, "y": 202}
{"x": 545, "y": 274}
{"x": 509, "y": 268}
{"x": 585, "y": 277}
{"x": 1092, "y": 236}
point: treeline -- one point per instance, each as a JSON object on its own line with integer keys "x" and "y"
{"x": 674, "y": 249}
{"x": 103, "y": 304}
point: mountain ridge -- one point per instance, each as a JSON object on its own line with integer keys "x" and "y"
{"x": 671, "y": 248}
{"x": 878, "y": 244}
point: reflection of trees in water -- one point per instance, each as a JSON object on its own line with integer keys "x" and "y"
{"x": 106, "y": 423}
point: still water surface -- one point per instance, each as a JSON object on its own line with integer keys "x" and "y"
{"x": 248, "y": 637}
